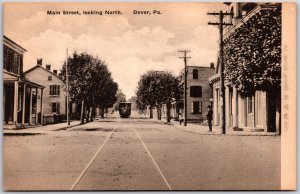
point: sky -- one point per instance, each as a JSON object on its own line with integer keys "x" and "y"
{"x": 130, "y": 44}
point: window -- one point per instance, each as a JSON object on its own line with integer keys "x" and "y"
{"x": 196, "y": 107}
{"x": 250, "y": 104}
{"x": 54, "y": 90}
{"x": 55, "y": 107}
{"x": 49, "y": 78}
{"x": 195, "y": 73}
{"x": 12, "y": 60}
{"x": 196, "y": 91}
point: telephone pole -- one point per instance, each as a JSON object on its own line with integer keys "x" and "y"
{"x": 221, "y": 25}
{"x": 68, "y": 95}
{"x": 185, "y": 83}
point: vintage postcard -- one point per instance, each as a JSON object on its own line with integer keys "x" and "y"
{"x": 149, "y": 96}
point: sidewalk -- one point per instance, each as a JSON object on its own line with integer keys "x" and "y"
{"x": 42, "y": 129}
{"x": 202, "y": 128}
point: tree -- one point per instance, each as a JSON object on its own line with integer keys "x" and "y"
{"x": 137, "y": 105}
{"x": 90, "y": 83}
{"x": 158, "y": 88}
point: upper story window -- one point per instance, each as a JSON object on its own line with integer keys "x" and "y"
{"x": 195, "y": 91}
{"x": 54, "y": 90}
{"x": 12, "y": 61}
{"x": 49, "y": 78}
{"x": 195, "y": 73}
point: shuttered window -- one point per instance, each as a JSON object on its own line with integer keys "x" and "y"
{"x": 195, "y": 91}
{"x": 55, "y": 107}
{"x": 195, "y": 73}
{"x": 54, "y": 90}
{"x": 196, "y": 107}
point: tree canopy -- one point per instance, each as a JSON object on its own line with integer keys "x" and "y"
{"x": 158, "y": 88}
{"x": 90, "y": 81}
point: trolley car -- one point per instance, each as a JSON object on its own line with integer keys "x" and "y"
{"x": 124, "y": 109}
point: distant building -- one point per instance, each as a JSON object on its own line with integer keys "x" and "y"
{"x": 259, "y": 112}
{"x": 22, "y": 99}
{"x": 54, "y": 102}
{"x": 199, "y": 94}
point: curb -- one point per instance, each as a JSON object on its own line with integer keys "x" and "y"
{"x": 219, "y": 134}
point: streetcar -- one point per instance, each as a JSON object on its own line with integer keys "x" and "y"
{"x": 124, "y": 109}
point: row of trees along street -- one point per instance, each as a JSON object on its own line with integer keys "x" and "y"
{"x": 156, "y": 88}
{"x": 90, "y": 84}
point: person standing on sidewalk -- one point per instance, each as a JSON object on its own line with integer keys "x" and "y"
{"x": 180, "y": 118}
{"x": 209, "y": 117}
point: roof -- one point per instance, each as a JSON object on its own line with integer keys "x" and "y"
{"x": 33, "y": 83}
{"x": 199, "y": 66}
{"x": 39, "y": 66}
{"x": 13, "y": 44}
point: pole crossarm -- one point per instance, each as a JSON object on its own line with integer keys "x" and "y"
{"x": 217, "y": 13}
{"x": 217, "y": 24}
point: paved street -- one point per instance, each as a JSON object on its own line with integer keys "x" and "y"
{"x": 139, "y": 154}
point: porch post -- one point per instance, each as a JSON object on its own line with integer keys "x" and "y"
{"x": 16, "y": 95}
{"x": 23, "y": 105}
{"x": 42, "y": 112}
{"x": 30, "y": 107}
{"x": 36, "y": 108}
{"x": 235, "y": 108}
{"x": 227, "y": 113}
{"x": 254, "y": 110}
{"x": 215, "y": 105}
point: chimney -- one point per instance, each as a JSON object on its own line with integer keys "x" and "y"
{"x": 39, "y": 62}
{"x": 55, "y": 72}
{"x": 48, "y": 67}
{"x": 212, "y": 65}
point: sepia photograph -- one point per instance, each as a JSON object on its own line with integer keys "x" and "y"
{"x": 149, "y": 96}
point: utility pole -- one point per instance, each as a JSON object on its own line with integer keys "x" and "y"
{"x": 185, "y": 83}
{"x": 68, "y": 95}
{"x": 221, "y": 25}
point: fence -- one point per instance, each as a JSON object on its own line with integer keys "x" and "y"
{"x": 51, "y": 119}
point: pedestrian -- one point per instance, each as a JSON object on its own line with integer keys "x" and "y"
{"x": 209, "y": 117}
{"x": 180, "y": 118}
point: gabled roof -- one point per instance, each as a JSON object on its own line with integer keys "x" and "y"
{"x": 13, "y": 45}
{"x": 39, "y": 66}
{"x": 32, "y": 83}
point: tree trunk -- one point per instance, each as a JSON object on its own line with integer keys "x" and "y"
{"x": 158, "y": 113}
{"x": 168, "y": 112}
{"x": 82, "y": 113}
{"x": 102, "y": 113}
{"x": 93, "y": 114}
{"x": 88, "y": 115}
{"x": 151, "y": 113}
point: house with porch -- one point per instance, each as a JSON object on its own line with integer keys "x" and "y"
{"x": 55, "y": 97}
{"x": 22, "y": 98}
